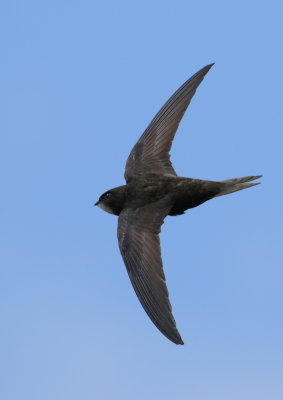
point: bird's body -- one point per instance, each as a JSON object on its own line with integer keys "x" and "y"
{"x": 154, "y": 191}
{"x": 182, "y": 193}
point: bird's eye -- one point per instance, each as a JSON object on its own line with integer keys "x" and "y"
{"x": 107, "y": 195}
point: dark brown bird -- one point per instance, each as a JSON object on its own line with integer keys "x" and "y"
{"x": 152, "y": 192}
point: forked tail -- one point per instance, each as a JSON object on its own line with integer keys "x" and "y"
{"x": 235, "y": 184}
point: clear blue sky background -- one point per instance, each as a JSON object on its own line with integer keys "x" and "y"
{"x": 79, "y": 83}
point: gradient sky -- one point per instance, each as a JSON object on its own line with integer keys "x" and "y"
{"x": 79, "y": 83}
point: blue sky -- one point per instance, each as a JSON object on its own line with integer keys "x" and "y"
{"x": 79, "y": 82}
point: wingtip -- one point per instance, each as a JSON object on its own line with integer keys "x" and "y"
{"x": 176, "y": 338}
{"x": 210, "y": 66}
{"x": 205, "y": 69}
{"x": 179, "y": 341}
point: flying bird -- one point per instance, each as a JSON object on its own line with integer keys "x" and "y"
{"x": 153, "y": 191}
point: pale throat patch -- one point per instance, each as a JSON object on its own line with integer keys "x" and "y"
{"x": 106, "y": 208}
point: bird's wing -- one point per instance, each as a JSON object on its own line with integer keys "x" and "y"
{"x": 139, "y": 244}
{"x": 151, "y": 153}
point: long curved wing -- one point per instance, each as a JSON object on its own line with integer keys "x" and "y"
{"x": 139, "y": 244}
{"x": 151, "y": 153}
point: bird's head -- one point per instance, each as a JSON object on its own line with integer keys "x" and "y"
{"x": 113, "y": 200}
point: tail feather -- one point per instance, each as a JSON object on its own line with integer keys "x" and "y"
{"x": 235, "y": 184}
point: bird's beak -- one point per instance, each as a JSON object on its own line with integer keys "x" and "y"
{"x": 96, "y": 204}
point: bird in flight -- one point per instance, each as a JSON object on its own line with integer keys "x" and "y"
{"x": 153, "y": 190}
